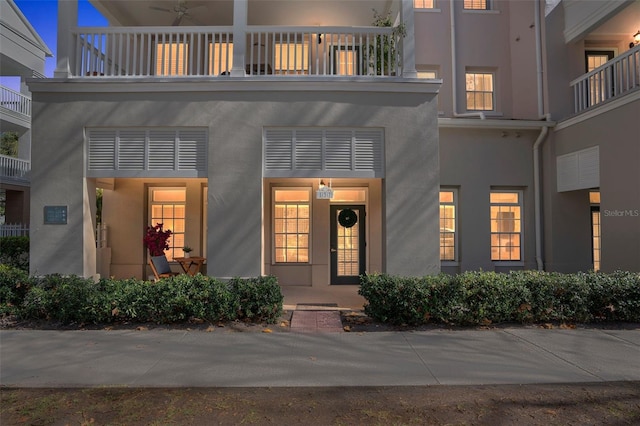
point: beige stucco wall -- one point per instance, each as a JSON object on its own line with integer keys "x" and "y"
{"x": 475, "y": 161}
{"x": 616, "y": 133}
{"x": 501, "y": 40}
{"x": 235, "y": 121}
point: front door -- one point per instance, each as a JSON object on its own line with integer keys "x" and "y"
{"x": 348, "y": 245}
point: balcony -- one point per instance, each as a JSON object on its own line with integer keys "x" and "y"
{"x": 14, "y": 170}
{"x": 616, "y": 78}
{"x": 267, "y": 51}
{"x": 15, "y": 110}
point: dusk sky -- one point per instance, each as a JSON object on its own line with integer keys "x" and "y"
{"x": 43, "y": 16}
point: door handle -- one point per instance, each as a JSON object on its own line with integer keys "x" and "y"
{"x": 333, "y": 250}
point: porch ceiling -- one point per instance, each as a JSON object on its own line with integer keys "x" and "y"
{"x": 261, "y": 12}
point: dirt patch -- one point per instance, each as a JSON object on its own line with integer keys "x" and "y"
{"x": 575, "y": 404}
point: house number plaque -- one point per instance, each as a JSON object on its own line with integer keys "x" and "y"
{"x": 55, "y": 215}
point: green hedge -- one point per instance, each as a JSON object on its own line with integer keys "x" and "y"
{"x": 15, "y": 252}
{"x": 474, "y": 298}
{"x": 71, "y": 299}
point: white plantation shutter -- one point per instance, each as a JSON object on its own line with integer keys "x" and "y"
{"x": 338, "y": 150}
{"x": 147, "y": 153}
{"x": 192, "y": 153}
{"x": 279, "y": 150}
{"x": 308, "y": 151}
{"x": 102, "y": 150}
{"x": 578, "y": 170}
{"x": 323, "y": 153}
{"x": 131, "y": 150}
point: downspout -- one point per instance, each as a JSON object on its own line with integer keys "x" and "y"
{"x": 537, "y": 188}
{"x": 454, "y": 80}
{"x": 544, "y": 131}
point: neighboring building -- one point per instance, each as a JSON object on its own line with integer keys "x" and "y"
{"x": 234, "y": 130}
{"x": 592, "y": 158}
{"x": 22, "y": 56}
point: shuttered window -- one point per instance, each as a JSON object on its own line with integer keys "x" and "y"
{"x": 147, "y": 153}
{"x": 320, "y": 152}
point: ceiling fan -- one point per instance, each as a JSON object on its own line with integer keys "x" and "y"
{"x": 181, "y": 9}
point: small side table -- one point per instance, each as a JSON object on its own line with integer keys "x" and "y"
{"x": 190, "y": 265}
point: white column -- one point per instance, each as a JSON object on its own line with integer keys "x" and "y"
{"x": 67, "y": 19}
{"x": 408, "y": 43}
{"x": 240, "y": 13}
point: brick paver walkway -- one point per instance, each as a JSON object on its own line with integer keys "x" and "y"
{"x": 316, "y": 321}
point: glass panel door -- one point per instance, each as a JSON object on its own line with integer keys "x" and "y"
{"x": 348, "y": 251}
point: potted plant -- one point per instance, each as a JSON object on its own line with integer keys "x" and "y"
{"x": 187, "y": 251}
{"x": 156, "y": 240}
{"x": 383, "y": 53}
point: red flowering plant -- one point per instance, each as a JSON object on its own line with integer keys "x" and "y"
{"x": 157, "y": 240}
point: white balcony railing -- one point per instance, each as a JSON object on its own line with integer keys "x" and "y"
{"x": 15, "y": 101}
{"x": 15, "y": 169}
{"x": 208, "y": 51}
{"x": 613, "y": 79}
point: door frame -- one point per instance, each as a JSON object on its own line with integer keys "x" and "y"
{"x": 362, "y": 244}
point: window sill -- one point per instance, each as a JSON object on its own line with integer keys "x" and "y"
{"x": 428, "y": 10}
{"x": 481, "y": 12}
{"x": 508, "y": 263}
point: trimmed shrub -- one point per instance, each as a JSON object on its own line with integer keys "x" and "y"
{"x": 473, "y": 298}
{"x": 14, "y": 285}
{"x": 71, "y": 299}
{"x": 257, "y": 299}
{"x": 15, "y": 252}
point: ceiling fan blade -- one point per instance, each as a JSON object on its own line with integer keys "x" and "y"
{"x": 194, "y": 20}
{"x": 177, "y": 21}
{"x": 162, "y": 9}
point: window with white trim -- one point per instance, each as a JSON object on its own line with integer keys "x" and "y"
{"x": 221, "y": 54}
{"x": 291, "y": 225}
{"x": 168, "y": 206}
{"x": 424, "y": 4}
{"x": 448, "y": 224}
{"x": 506, "y": 225}
{"x": 291, "y": 58}
{"x": 427, "y": 73}
{"x": 476, "y": 4}
{"x": 480, "y": 90}
{"x": 594, "y": 201}
{"x": 171, "y": 58}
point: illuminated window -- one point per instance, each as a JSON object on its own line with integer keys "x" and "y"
{"x": 346, "y": 60}
{"x": 423, "y": 4}
{"x": 599, "y": 82}
{"x": 167, "y": 206}
{"x": 480, "y": 91}
{"x": 427, "y": 74}
{"x": 594, "y": 200}
{"x": 476, "y": 4}
{"x": 506, "y": 225}
{"x": 448, "y": 200}
{"x": 221, "y": 58}
{"x": 171, "y": 58}
{"x": 291, "y": 225}
{"x": 291, "y": 58}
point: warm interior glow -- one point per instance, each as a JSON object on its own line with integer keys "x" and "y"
{"x": 594, "y": 197}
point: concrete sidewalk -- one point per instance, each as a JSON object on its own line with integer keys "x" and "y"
{"x": 161, "y": 358}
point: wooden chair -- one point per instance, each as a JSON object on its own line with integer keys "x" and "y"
{"x": 160, "y": 267}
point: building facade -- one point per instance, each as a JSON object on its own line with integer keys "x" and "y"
{"x": 300, "y": 140}
{"x": 22, "y": 56}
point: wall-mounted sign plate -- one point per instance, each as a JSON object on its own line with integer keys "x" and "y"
{"x": 324, "y": 194}
{"x": 55, "y": 215}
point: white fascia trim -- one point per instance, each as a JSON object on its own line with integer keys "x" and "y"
{"x": 467, "y": 123}
{"x": 235, "y": 84}
{"x": 600, "y": 109}
{"x": 588, "y": 22}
